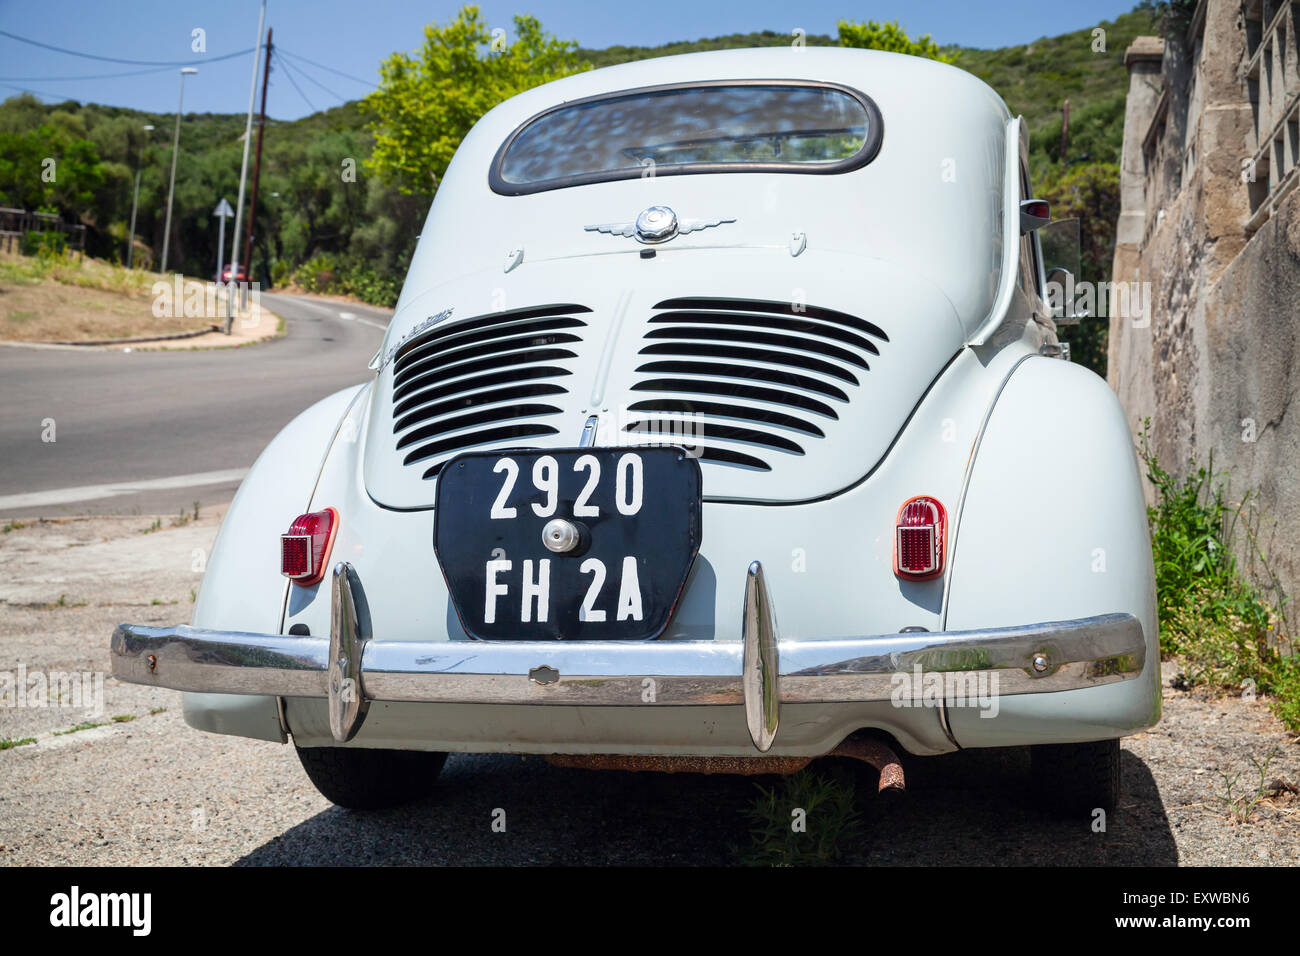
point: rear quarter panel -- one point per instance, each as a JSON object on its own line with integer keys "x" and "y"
{"x": 1052, "y": 527}
{"x": 242, "y": 587}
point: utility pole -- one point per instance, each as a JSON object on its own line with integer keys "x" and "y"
{"x": 257, "y": 164}
{"x": 176, "y": 146}
{"x": 243, "y": 169}
{"x": 135, "y": 199}
{"x": 1065, "y": 131}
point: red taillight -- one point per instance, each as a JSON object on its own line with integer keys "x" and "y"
{"x": 305, "y": 547}
{"x": 920, "y": 539}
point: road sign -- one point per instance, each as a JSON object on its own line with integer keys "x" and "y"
{"x": 222, "y": 212}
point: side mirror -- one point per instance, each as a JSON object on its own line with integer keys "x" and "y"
{"x": 1059, "y": 243}
{"x": 1060, "y": 296}
{"x": 1034, "y": 214}
{"x": 1060, "y": 276}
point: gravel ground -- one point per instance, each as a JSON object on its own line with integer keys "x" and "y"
{"x": 151, "y": 791}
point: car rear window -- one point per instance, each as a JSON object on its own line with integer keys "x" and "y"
{"x": 768, "y": 126}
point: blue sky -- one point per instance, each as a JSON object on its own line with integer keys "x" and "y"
{"x": 352, "y": 36}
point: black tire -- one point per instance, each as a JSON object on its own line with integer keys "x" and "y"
{"x": 362, "y": 779}
{"x": 1076, "y": 779}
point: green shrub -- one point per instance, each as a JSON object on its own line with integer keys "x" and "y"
{"x": 325, "y": 274}
{"x": 318, "y": 274}
{"x": 46, "y": 244}
{"x": 281, "y": 272}
{"x": 1213, "y": 619}
{"x": 373, "y": 287}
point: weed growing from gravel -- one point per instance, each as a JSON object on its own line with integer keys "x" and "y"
{"x": 20, "y": 742}
{"x": 89, "y": 725}
{"x": 1241, "y": 805}
{"x": 13, "y": 526}
{"x": 823, "y": 801}
{"x": 124, "y": 718}
{"x": 1214, "y": 619}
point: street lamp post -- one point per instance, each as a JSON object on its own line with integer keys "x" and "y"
{"x": 176, "y": 145}
{"x": 135, "y": 199}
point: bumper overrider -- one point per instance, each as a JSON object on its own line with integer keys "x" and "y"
{"x": 760, "y": 672}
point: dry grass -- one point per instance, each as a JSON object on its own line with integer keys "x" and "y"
{"x": 70, "y": 300}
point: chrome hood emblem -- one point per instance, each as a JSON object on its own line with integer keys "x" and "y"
{"x": 656, "y": 224}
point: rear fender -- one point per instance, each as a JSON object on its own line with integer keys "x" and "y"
{"x": 1053, "y": 527}
{"x": 242, "y": 588}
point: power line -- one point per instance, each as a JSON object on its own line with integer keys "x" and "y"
{"x": 61, "y": 97}
{"x": 112, "y": 59}
{"x": 330, "y": 69}
{"x": 93, "y": 76}
{"x": 284, "y": 64}
{"x": 306, "y": 76}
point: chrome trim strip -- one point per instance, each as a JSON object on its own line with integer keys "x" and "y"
{"x": 761, "y": 674}
{"x": 1080, "y": 653}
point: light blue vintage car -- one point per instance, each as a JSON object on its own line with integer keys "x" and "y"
{"x": 722, "y": 424}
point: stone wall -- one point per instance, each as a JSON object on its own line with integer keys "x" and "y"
{"x": 1214, "y": 365}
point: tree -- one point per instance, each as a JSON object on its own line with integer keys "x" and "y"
{"x": 889, "y": 37}
{"x": 426, "y": 103}
{"x": 49, "y": 169}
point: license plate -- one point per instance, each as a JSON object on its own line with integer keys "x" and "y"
{"x": 584, "y": 544}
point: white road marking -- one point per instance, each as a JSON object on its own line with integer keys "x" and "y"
{"x": 350, "y": 316}
{"x": 61, "y": 496}
{"x": 353, "y": 317}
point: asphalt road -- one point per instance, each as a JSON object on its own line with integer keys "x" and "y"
{"x": 189, "y": 423}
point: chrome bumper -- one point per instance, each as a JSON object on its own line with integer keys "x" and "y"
{"x": 760, "y": 671}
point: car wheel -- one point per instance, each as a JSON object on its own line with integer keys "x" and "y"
{"x": 1077, "y": 778}
{"x": 362, "y": 779}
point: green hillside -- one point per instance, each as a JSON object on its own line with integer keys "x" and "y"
{"x": 1037, "y": 78}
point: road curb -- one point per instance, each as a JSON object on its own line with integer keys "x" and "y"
{"x": 140, "y": 338}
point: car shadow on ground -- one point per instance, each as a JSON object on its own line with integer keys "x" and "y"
{"x": 969, "y": 808}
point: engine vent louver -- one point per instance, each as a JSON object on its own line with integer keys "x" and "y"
{"x": 482, "y": 382}
{"x": 744, "y": 382}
